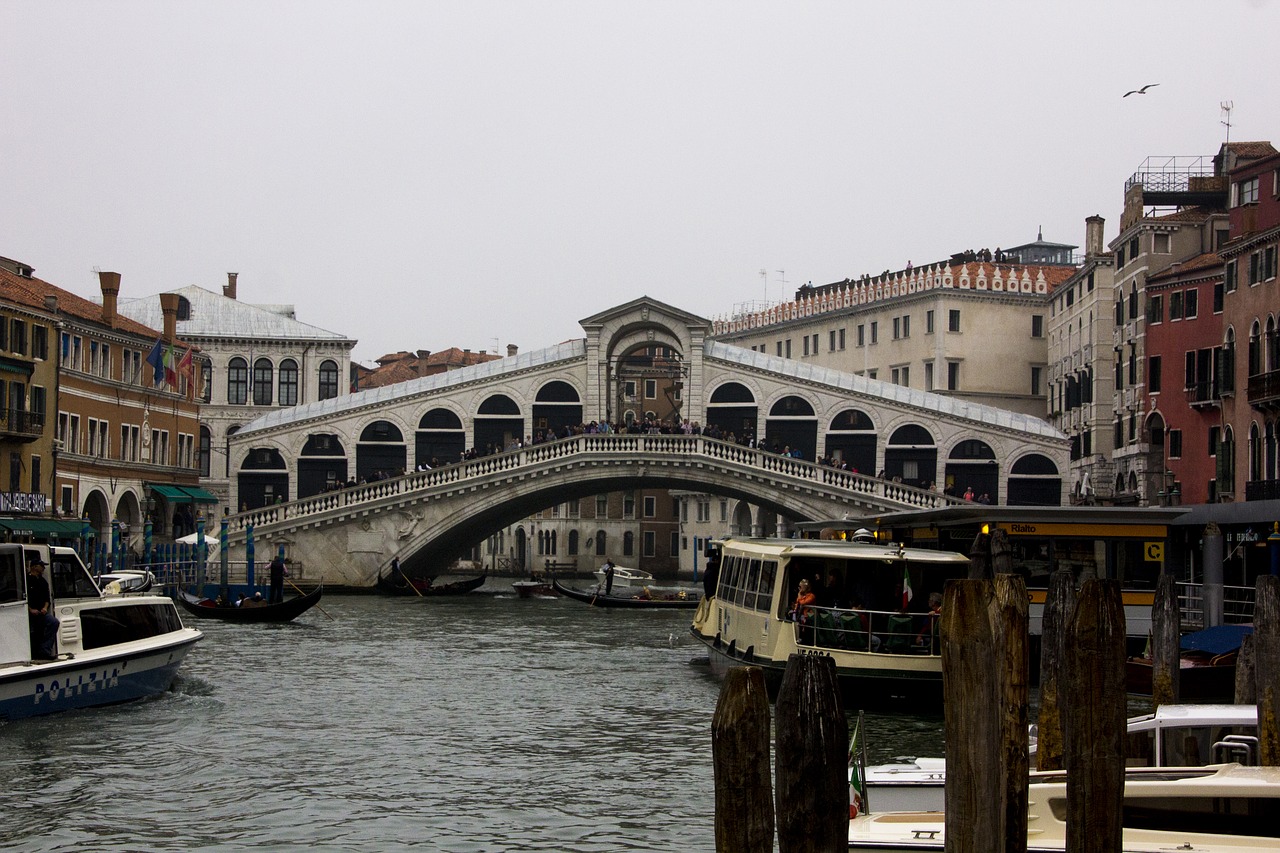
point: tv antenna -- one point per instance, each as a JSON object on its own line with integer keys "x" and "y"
{"x": 782, "y": 279}
{"x": 764, "y": 276}
{"x": 1226, "y": 122}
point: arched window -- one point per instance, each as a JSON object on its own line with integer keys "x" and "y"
{"x": 288, "y": 383}
{"x": 237, "y": 381}
{"x": 573, "y": 543}
{"x": 628, "y": 544}
{"x": 328, "y": 380}
{"x": 1255, "y": 349}
{"x": 262, "y": 375}
{"x": 601, "y": 541}
{"x": 1273, "y": 346}
{"x": 206, "y": 445}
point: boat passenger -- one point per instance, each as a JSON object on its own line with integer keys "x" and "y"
{"x": 256, "y": 601}
{"x": 802, "y": 610}
{"x": 43, "y": 624}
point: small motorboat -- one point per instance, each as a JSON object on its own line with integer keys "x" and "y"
{"x": 1220, "y": 807}
{"x": 624, "y": 578}
{"x": 533, "y": 588}
{"x": 249, "y": 610}
{"x": 125, "y": 583}
{"x": 643, "y": 598}
{"x": 1175, "y": 735}
{"x": 1206, "y": 665}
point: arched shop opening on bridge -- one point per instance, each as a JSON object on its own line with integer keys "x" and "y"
{"x": 322, "y": 467}
{"x": 263, "y": 479}
{"x": 381, "y": 452}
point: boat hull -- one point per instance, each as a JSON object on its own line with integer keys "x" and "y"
{"x": 597, "y": 599}
{"x": 283, "y": 612}
{"x": 867, "y": 680}
{"x": 122, "y": 673}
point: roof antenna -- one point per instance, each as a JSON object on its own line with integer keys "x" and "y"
{"x": 1226, "y": 110}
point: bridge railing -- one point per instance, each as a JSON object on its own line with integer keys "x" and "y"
{"x": 685, "y": 446}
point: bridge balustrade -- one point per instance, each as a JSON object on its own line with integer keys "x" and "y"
{"x": 622, "y": 445}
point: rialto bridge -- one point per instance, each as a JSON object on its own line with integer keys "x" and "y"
{"x": 638, "y": 360}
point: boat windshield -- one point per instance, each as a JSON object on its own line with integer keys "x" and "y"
{"x": 69, "y": 578}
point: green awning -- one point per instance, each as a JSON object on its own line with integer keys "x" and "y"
{"x": 199, "y": 495}
{"x": 42, "y": 527}
{"x": 183, "y": 494}
{"x": 173, "y": 494}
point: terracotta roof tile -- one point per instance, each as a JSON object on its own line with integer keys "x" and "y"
{"x": 32, "y": 291}
{"x": 1206, "y": 261}
{"x": 1251, "y": 149}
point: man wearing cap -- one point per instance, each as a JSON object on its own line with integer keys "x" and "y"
{"x": 44, "y": 625}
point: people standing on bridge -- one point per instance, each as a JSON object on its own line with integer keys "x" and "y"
{"x": 278, "y": 572}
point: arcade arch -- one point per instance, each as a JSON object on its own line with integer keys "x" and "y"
{"x": 851, "y": 438}
{"x": 498, "y": 424}
{"x": 380, "y": 452}
{"x": 732, "y": 409}
{"x": 911, "y": 456}
{"x": 793, "y": 424}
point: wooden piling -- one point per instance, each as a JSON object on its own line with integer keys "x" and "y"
{"x": 811, "y": 749}
{"x": 980, "y": 557}
{"x": 1001, "y": 552}
{"x": 1095, "y": 719}
{"x": 1246, "y": 673}
{"x": 740, "y": 754}
{"x": 1166, "y": 639}
{"x": 1059, "y": 602}
{"x": 1266, "y": 660}
{"x": 969, "y": 686}
{"x": 1009, "y": 627}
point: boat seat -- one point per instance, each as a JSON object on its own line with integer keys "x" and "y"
{"x": 853, "y": 634}
{"x": 900, "y": 634}
{"x": 825, "y": 625}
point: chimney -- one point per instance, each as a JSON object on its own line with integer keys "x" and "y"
{"x": 229, "y": 289}
{"x": 1093, "y": 244}
{"x": 512, "y": 349}
{"x": 110, "y": 284}
{"x": 51, "y": 303}
{"x": 169, "y": 305}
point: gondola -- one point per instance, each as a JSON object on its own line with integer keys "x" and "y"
{"x": 599, "y": 599}
{"x": 285, "y": 611}
{"x": 455, "y": 588}
{"x": 398, "y": 583}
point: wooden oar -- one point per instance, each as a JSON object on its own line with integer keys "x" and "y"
{"x": 409, "y": 582}
{"x": 300, "y": 592}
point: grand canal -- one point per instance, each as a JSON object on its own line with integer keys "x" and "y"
{"x": 482, "y": 723}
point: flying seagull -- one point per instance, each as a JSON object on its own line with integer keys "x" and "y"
{"x": 1141, "y": 91}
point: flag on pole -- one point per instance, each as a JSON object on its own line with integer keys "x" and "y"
{"x": 170, "y": 367}
{"x": 186, "y": 369}
{"x": 156, "y": 359}
{"x": 906, "y": 587}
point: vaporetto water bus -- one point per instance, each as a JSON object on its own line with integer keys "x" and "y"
{"x": 872, "y": 613}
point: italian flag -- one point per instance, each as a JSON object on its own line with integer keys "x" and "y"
{"x": 906, "y": 587}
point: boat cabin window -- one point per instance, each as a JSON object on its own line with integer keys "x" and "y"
{"x": 68, "y": 578}
{"x": 12, "y": 584}
{"x": 747, "y": 581}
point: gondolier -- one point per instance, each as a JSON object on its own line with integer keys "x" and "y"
{"x": 278, "y": 572}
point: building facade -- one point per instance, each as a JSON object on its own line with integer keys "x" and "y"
{"x": 971, "y": 328}
{"x": 258, "y": 358}
{"x": 125, "y": 444}
{"x": 29, "y": 327}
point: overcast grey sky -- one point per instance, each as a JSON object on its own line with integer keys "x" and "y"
{"x": 420, "y": 175}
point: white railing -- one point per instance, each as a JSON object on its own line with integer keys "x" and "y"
{"x": 630, "y": 447}
{"x": 1237, "y": 603}
{"x": 887, "y": 632}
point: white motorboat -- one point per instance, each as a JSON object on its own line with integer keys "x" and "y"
{"x": 110, "y": 648}
{"x": 1212, "y": 809}
{"x": 624, "y": 578}
{"x": 1174, "y": 736}
{"x": 126, "y": 583}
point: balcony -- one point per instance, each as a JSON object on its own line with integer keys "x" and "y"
{"x": 21, "y": 425}
{"x": 1264, "y": 390}
{"x": 1179, "y": 182}
{"x": 1203, "y": 395}
{"x": 1262, "y": 490}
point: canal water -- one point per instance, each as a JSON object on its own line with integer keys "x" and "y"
{"x": 480, "y": 723}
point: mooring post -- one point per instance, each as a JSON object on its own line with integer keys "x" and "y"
{"x": 1266, "y": 660}
{"x": 1009, "y": 627}
{"x": 811, "y": 750}
{"x": 1246, "y": 673}
{"x": 1060, "y": 600}
{"x": 972, "y": 727}
{"x": 740, "y": 755}
{"x": 1095, "y": 719}
{"x": 1166, "y": 639}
